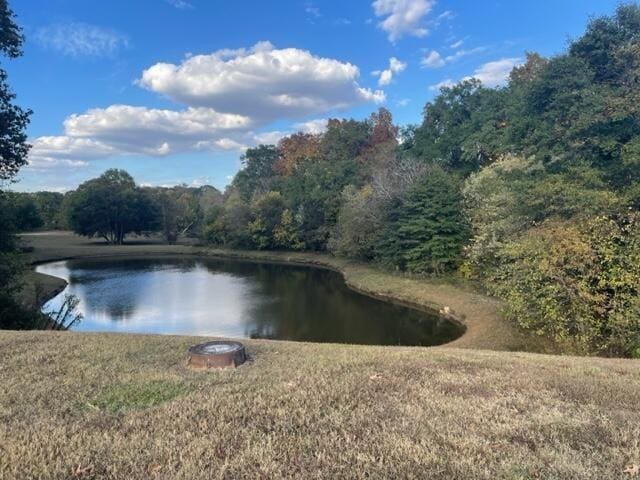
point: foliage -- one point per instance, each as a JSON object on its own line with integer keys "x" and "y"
{"x": 360, "y": 219}
{"x": 182, "y": 209}
{"x": 427, "y": 229}
{"x": 295, "y": 149}
{"x": 266, "y": 211}
{"x": 514, "y": 194}
{"x": 255, "y": 176}
{"x": 576, "y": 282}
{"x": 25, "y": 212}
{"x": 286, "y": 234}
{"x": 111, "y": 206}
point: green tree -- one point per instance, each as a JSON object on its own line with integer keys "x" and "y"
{"x": 13, "y": 155}
{"x": 427, "y": 230}
{"x": 266, "y": 211}
{"x": 13, "y": 119}
{"x": 257, "y": 171}
{"x": 26, "y": 215}
{"x": 286, "y": 233}
{"x": 111, "y": 206}
{"x": 515, "y": 194}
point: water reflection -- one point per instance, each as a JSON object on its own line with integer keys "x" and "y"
{"x": 237, "y": 299}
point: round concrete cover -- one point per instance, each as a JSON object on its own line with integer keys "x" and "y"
{"x": 217, "y": 354}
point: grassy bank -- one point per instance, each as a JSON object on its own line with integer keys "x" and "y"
{"x": 126, "y": 406}
{"x": 479, "y": 314}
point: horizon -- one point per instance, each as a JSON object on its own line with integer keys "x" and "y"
{"x": 178, "y": 103}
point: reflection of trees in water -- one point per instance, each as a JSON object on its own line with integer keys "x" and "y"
{"x": 113, "y": 289}
{"x": 315, "y": 305}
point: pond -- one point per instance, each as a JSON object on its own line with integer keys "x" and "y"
{"x": 201, "y": 296}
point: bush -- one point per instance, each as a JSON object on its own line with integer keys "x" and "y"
{"x": 576, "y": 282}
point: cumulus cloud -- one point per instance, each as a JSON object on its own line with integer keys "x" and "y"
{"x": 448, "y": 83}
{"x": 494, "y": 74}
{"x": 385, "y": 76}
{"x": 263, "y": 83}
{"x": 315, "y": 127}
{"x": 402, "y": 17}
{"x": 127, "y": 130}
{"x": 80, "y": 39}
{"x": 433, "y": 60}
{"x": 491, "y": 74}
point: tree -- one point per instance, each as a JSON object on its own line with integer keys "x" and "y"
{"x": 257, "y": 171}
{"x": 427, "y": 230}
{"x": 266, "y": 211}
{"x": 111, "y": 206}
{"x": 13, "y": 120}
{"x": 286, "y": 233}
{"x": 359, "y": 221}
{"x": 515, "y": 194}
{"x": 26, "y": 215}
{"x": 293, "y": 150}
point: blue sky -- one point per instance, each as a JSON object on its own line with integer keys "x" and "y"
{"x": 174, "y": 90}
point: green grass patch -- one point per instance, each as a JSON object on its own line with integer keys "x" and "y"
{"x": 134, "y": 396}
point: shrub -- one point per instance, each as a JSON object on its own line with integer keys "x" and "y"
{"x": 577, "y": 282}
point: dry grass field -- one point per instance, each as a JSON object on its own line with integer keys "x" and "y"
{"x": 114, "y": 406}
{"x": 84, "y": 405}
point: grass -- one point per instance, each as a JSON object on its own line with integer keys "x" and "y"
{"x": 81, "y": 405}
{"x": 122, "y": 397}
{"x": 309, "y": 411}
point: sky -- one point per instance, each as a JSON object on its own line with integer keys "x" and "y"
{"x": 174, "y": 91}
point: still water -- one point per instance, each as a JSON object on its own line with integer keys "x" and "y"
{"x": 237, "y": 299}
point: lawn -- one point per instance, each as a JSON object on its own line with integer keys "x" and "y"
{"x": 127, "y": 406}
{"x": 116, "y": 406}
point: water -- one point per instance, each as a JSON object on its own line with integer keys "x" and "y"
{"x": 237, "y": 299}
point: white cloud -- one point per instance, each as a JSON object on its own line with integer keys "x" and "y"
{"x": 464, "y": 53}
{"x": 181, "y": 4}
{"x": 433, "y": 60}
{"x": 448, "y": 83}
{"x": 80, "y": 39}
{"x": 385, "y": 76}
{"x": 402, "y": 17}
{"x": 312, "y": 10}
{"x": 127, "y": 130}
{"x": 403, "y": 102}
{"x": 457, "y": 44}
{"x": 263, "y": 82}
{"x": 491, "y": 74}
{"x": 494, "y": 74}
{"x": 315, "y": 127}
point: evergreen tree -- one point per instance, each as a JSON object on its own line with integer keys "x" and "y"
{"x": 428, "y": 230}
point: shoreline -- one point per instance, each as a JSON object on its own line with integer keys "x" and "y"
{"x": 477, "y": 314}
